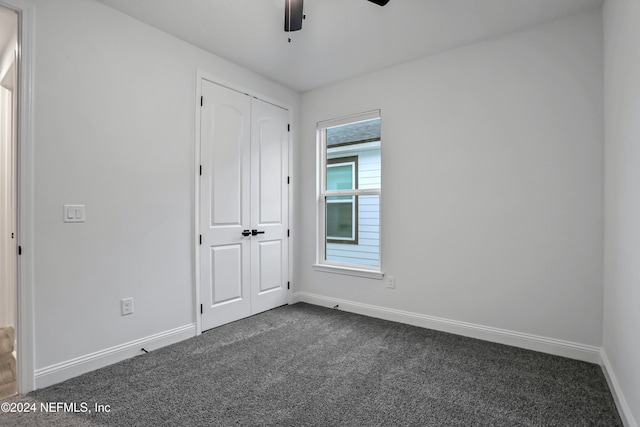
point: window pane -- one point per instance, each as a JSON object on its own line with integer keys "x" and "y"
{"x": 340, "y": 220}
{"x": 365, "y": 250}
{"x": 359, "y": 141}
{"x": 366, "y": 130}
{"x": 340, "y": 177}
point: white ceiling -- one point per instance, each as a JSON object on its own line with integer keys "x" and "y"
{"x": 340, "y": 38}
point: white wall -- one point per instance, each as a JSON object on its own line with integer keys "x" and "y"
{"x": 622, "y": 201}
{"x": 492, "y": 182}
{"x": 114, "y": 130}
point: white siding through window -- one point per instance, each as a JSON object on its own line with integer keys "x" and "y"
{"x": 367, "y": 251}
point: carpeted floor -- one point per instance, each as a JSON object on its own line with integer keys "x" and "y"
{"x": 304, "y": 365}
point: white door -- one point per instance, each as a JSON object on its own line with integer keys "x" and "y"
{"x": 243, "y": 205}
{"x": 269, "y": 206}
{"x": 8, "y": 247}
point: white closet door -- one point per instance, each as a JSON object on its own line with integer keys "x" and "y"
{"x": 243, "y": 205}
{"x": 269, "y": 206}
{"x": 225, "y": 254}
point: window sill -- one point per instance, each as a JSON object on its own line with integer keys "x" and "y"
{"x": 349, "y": 271}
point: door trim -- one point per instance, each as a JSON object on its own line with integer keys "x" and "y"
{"x": 25, "y": 323}
{"x": 200, "y": 76}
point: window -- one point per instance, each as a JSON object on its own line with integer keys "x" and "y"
{"x": 349, "y": 189}
{"x": 341, "y": 214}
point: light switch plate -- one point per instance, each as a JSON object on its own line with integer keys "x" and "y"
{"x": 73, "y": 213}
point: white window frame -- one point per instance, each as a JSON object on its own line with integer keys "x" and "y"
{"x": 322, "y": 264}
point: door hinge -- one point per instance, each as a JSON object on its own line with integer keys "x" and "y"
{"x": 288, "y": 180}
{"x": 288, "y": 128}
{"x": 19, "y": 250}
{"x": 201, "y": 239}
{"x": 288, "y": 285}
{"x": 200, "y": 170}
{"x": 201, "y": 101}
{"x": 201, "y": 309}
{"x": 288, "y": 233}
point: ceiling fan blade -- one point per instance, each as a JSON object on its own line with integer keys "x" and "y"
{"x": 379, "y": 2}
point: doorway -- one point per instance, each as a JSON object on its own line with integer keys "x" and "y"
{"x": 8, "y": 200}
{"x": 243, "y": 224}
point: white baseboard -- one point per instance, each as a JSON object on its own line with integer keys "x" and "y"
{"x": 502, "y": 336}
{"x": 621, "y": 403}
{"x": 72, "y": 368}
{"x": 294, "y": 297}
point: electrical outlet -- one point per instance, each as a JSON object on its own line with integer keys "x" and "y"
{"x": 126, "y": 306}
{"x": 391, "y": 282}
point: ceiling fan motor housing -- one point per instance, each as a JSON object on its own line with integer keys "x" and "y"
{"x": 293, "y": 15}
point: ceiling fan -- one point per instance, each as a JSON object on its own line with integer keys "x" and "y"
{"x": 293, "y": 15}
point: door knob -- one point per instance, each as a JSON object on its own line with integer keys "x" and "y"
{"x": 246, "y": 233}
{"x": 256, "y": 232}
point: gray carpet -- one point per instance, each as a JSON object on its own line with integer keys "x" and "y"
{"x": 304, "y": 365}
